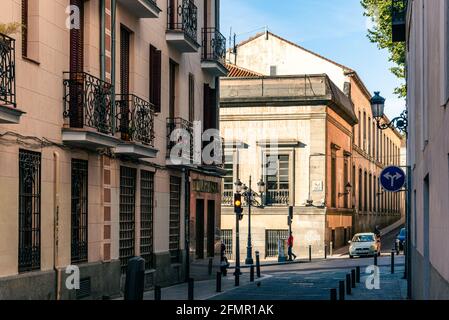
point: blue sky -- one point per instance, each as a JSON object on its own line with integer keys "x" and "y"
{"x": 334, "y": 28}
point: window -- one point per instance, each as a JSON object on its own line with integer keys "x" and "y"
{"x": 228, "y": 179}
{"x": 175, "y": 219}
{"x": 172, "y": 88}
{"x": 375, "y": 193}
{"x": 30, "y": 28}
{"x": 277, "y": 179}
{"x": 360, "y": 190}
{"x": 334, "y": 180}
{"x": 146, "y": 217}
{"x": 364, "y": 131}
{"x": 79, "y": 211}
{"x": 272, "y": 238}
{"x": 353, "y": 186}
{"x": 369, "y": 136}
{"x": 155, "y": 78}
{"x": 360, "y": 129}
{"x": 210, "y": 106}
{"x": 346, "y": 181}
{"x": 226, "y": 237}
{"x": 191, "y": 97}
{"x": 127, "y": 215}
{"x": 370, "y": 192}
{"x": 29, "y": 211}
{"x": 365, "y": 193}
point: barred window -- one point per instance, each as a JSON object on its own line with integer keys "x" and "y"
{"x": 146, "y": 217}
{"x": 272, "y": 238}
{"x": 226, "y": 237}
{"x": 79, "y": 211}
{"x": 29, "y": 210}
{"x": 127, "y": 215}
{"x": 175, "y": 219}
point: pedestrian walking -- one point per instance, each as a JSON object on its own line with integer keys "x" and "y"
{"x": 290, "y": 248}
{"x": 224, "y": 264}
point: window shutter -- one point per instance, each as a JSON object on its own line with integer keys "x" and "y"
{"x": 124, "y": 60}
{"x": 155, "y": 77}
{"x": 76, "y": 67}
{"x": 206, "y": 107}
{"x": 24, "y": 28}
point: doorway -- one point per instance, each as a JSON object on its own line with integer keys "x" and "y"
{"x": 200, "y": 229}
{"x": 211, "y": 228}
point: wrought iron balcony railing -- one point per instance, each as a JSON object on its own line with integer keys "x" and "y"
{"x": 183, "y": 16}
{"x": 277, "y": 197}
{"x": 179, "y": 132}
{"x": 214, "y": 45}
{"x": 88, "y": 102}
{"x": 7, "y": 71}
{"x": 227, "y": 198}
{"x": 135, "y": 118}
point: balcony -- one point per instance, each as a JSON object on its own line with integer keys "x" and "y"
{"x": 9, "y": 114}
{"x": 142, "y": 8}
{"x": 88, "y": 111}
{"x": 179, "y": 142}
{"x": 227, "y": 198}
{"x": 277, "y": 198}
{"x": 217, "y": 165}
{"x": 213, "y": 52}
{"x": 135, "y": 123}
{"x": 399, "y": 16}
{"x": 182, "y": 25}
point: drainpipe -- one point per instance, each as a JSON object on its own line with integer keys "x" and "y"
{"x": 187, "y": 222}
{"x": 102, "y": 41}
{"x": 56, "y": 226}
{"x": 113, "y": 34}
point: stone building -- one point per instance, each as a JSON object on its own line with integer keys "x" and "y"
{"x": 424, "y": 25}
{"x": 347, "y": 187}
{"x": 91, "y": 94}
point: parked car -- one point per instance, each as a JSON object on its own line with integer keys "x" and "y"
{"x": 400, "y": 240}
{"x": 364, "y": 245}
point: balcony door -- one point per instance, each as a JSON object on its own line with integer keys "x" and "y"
{"x": 277, "y": 177}
{"x": 172, "y": 88}
{"x": 76, "y": 68}
{"x": 125, "y": 38}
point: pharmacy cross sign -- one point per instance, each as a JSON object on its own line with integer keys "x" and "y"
{"x": 392, "y": 179}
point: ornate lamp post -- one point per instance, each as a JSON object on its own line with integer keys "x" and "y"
{"x": 401, "y": 124}
{"x": 378, "y": 109}
{"x": 249, "y": 199}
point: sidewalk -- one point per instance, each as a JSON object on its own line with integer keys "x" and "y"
{"x": 204, "y": 290}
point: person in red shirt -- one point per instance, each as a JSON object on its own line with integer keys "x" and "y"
{"x": 290, "y": 247}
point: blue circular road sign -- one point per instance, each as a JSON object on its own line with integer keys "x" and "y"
{"x": 392, "y": 179}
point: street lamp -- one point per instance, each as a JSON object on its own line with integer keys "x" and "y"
{"x": 400, "y": 123}
{"x": 348, "y": 188}
{"x": 249, "y": 193}
{"x": 378, "y": 109}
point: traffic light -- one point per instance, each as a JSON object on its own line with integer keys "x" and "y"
{"x": 238, "y": 203}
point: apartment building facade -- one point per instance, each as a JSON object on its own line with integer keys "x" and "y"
{"x": 93, "y": 96}
{"x": 423, "y": 25}
{"x": 352, "y": 198}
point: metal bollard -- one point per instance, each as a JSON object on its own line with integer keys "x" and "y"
{"x": 157, "y": 293}
{"x": 348, "y": 284}
{"x": 392, "y": 261}
{"x": 325, "y": 251}
{"x": 237, "y": 277}
{"x": 257, "y": 264}
{"x": 251, "y": 273}
{"x": 357, "y": 274}
{"x": 310, "y": 253}
{"x": 353, "y": 278}
{"x": 331, "y": 244}
{"x": 341, "y": 289}
{"x": 210, "y": 266}
{"x": 219, "y": 281}
{"x": 333, "y": 294}
{"x": 190, "y": 290}
{"x": 375, "y": 259}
